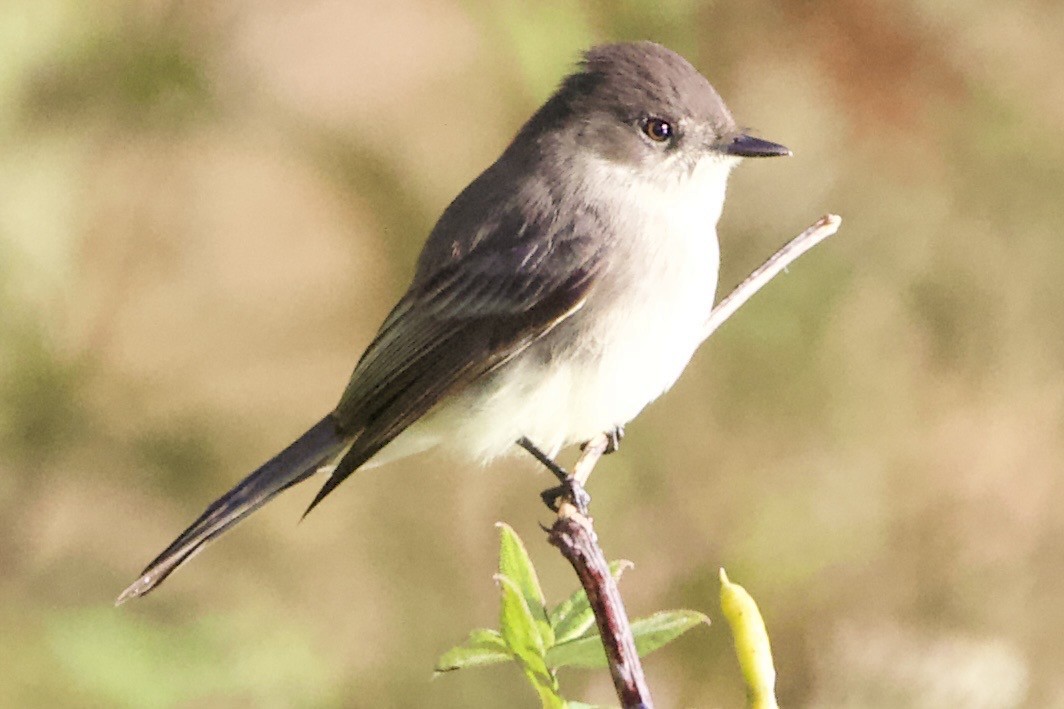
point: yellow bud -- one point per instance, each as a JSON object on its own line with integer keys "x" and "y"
{"x": 751, "y": 643}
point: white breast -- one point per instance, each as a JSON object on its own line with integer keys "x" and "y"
{"x": 639, "y": 327}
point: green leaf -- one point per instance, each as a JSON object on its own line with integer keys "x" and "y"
{"x": 550, "y": 699}
{"x": 521, "y": 635}
{"x": 650, "y": 633}
{"x": 662, "y": 628}
{"x": 515, "y": 564}
{"x": 751, "y": 643}
{"x": 572, "y": 617}
{"x": 483, "y": 647}
{"x": 525, "y": 642}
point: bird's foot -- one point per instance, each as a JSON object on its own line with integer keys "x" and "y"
{"x": 572, "y": 491}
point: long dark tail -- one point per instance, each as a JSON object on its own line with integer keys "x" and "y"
{"x": 293, "y": 465}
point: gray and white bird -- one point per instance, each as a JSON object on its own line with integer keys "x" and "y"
{"x": 561, "y": 292}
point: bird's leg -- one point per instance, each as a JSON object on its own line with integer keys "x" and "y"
{"x": 548, "y": 462}
{"x": 570, "y": 488}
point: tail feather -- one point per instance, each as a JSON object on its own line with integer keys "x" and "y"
{"x": 293, "y": 465}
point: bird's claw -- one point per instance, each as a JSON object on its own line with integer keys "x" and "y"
{"x": 572, "y": 491}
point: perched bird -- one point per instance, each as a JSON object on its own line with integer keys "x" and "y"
{"x": 561, "y": 292}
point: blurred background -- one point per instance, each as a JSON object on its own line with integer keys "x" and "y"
{"x": 206, "y": 209}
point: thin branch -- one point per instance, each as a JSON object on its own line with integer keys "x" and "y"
{"x": 574, "y": 536}
{"x": 573, "y": 533}
{"x": 589, "y": 457}
{"x": 784, "y": 257}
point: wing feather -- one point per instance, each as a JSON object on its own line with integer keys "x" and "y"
{"x": 453, "y": 327}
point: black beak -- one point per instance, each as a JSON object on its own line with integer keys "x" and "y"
{"x": 747, "y": 146}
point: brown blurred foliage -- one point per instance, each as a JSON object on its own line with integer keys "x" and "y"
{"x": 206, "y": 210}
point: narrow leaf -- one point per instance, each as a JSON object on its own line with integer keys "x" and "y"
{"x": 662, "y": 628}
{"x": 519, "y": 632}
{"x": 515, "y": 564}
{"x": 483, "y": 647}
{"x": 572, "y": 617}
{"x": 650, "y": 633}
{"x": 582, "y": 652}
{"x": 549, "y": 698}
{"x": 751, "y": 643}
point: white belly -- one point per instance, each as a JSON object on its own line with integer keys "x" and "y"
{"x": 625, "y": 347}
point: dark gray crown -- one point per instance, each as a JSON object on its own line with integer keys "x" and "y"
{"x": 632, "y": 80}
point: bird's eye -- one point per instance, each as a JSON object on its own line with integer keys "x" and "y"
{"x": 657, "y": 129}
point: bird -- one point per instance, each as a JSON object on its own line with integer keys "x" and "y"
{"x": 563, "y": 290}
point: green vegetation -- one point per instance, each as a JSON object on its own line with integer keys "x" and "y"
{"x": 207, "y": 210}
{"x": 542, "y": 640}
